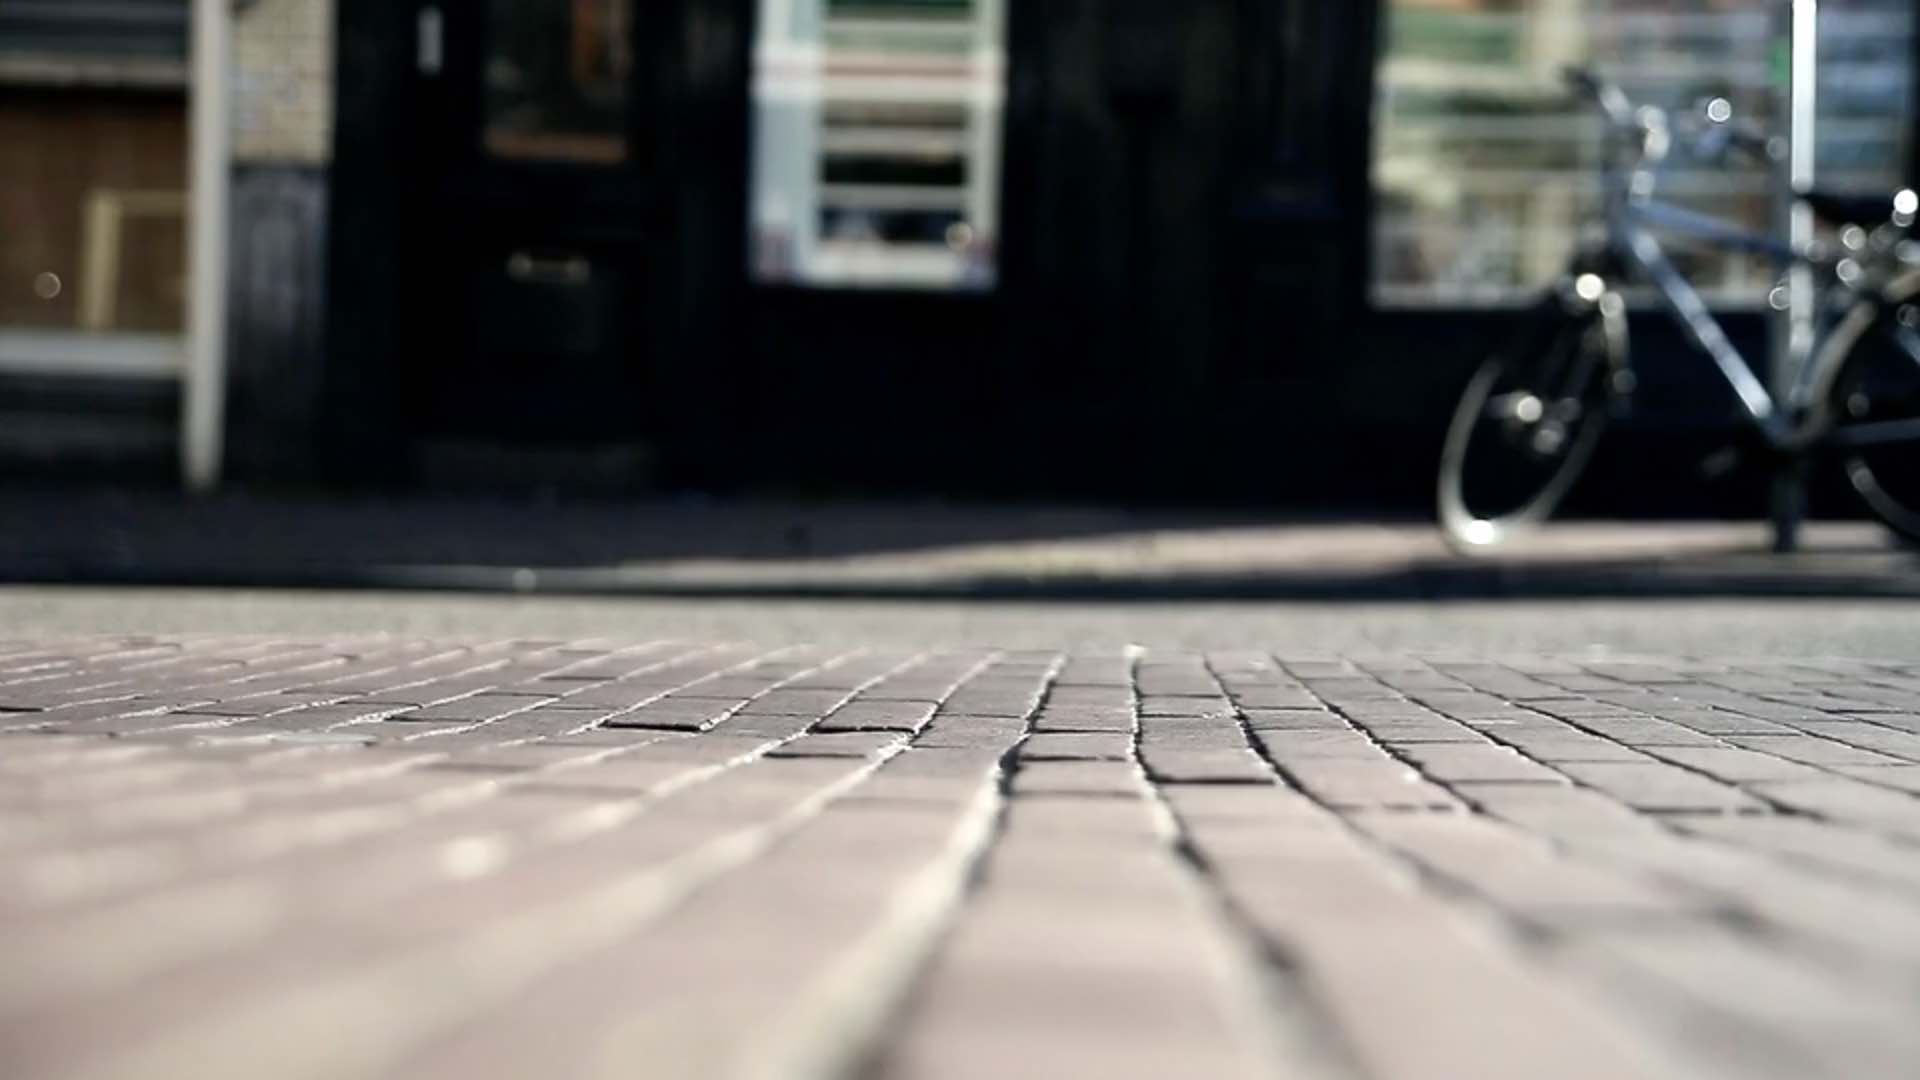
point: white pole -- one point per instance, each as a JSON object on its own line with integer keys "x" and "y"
{"x": 204, "y": 394}
{"x": 1804, "y": 135}
{"x": 1789, "y": 484}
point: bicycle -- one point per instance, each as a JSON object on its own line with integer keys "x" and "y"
{"x": 1531, "y": 417}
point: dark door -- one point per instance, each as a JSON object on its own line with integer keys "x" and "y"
{"x": 530, "y": 234}
{"x": 1183, "y": 206}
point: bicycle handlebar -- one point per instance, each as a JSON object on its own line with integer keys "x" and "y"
{"x": 1610, "y": 98}
{"x": 1752, "y": 140}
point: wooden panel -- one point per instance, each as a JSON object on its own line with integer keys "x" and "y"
{"x": 64, "y": 151}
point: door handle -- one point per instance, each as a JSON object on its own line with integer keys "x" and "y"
{"x": 531, "y": 269}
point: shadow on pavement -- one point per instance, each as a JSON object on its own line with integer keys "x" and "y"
{"x": 904, "y": 550}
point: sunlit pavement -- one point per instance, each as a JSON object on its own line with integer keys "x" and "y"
{"x": 548, "y": 853}
{"x": 725, "y": 790}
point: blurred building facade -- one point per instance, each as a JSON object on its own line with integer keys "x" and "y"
{"x": 1484, "y": 166}
{"x": 1220, "y": 248}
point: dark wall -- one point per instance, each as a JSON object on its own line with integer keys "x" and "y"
{"x": 277, "y": 308}
{"x": 361, "y": 433}
{"x": 1184, "y": 232}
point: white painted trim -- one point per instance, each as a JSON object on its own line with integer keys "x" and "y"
{"x": 204, "y": 397}
{"x": 77, "y": 353}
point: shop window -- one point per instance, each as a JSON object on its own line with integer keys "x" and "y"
{"x": 1484, "y": 168}
{"x": 877, "y": 143}
{"x": 93, "y": 146}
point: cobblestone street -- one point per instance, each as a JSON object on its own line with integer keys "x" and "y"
{"x": 373, "y": 855}
{"x": 959, "y": 540}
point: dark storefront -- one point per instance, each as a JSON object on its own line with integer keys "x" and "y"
{"x": 1181, "y": 227}
{"x": 1221, "y": 250}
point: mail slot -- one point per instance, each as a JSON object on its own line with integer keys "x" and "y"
{"x": 548, "y": 302}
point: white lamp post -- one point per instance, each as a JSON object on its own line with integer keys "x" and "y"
{"x": 1794, "y": 340}
{"x": 204, "y": 393}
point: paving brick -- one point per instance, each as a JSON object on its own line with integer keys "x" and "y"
{"x": 1368, "y": 785}
{"x": 677, "y": 714}
{"x": 1213, "y": 766}
{"x": 1405, "y": 730}
{"x": 1091, "y": 672}
{"x": 852, "y": 744}
{"x": 1705, "y": 984}
{"x": 1851, "y": 801}
{"x": 1040, "y": 979}
{"x": 477, "y": 708}
{"x": 1523, "y": 876}
{"x": 1557, "y": 811}
{"x": 1075, "y": 696}
{"x": 1052, "y": 717}
{"x": 1902, "y": 777}
{"x": 861, "y": 715}
{"x": 808, "y": 703}
{"x": 960, "y": 732}
{"x": 1288, "y": 746}
{"x": 1554, "y": 746}
{"x": 1451, "y": 762}
{"x": 1875, "y": 737}
{"x": 590, "y": 857}
{"x": 1734, "y": 765}
{"x": 1059, "y": 746}
{"x": 1191, "y": 733}
{"x": 1833, "y": 924}
{"x": 1812, "y": 843}
{"x": 1645, "y": 731}
{"x": 1811, "y": 750}
{"x": 1197, "y": 705}
{"x": 989, "y": 696}
{"x": 1417, "y": 991}
{"x": 1660, "y": 788}
{"x": 1271, "y": 697}
{"x": 1102, "y": 778}
{"x": 1303, "y": 719}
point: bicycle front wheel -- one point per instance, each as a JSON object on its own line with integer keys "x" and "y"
{"x": 1530, "y": 419}
{"x": 1875, "y": 404}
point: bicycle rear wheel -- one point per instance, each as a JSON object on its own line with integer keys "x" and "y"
{"x": 1529, "y": 420}
{"x": 1875, "y": 403}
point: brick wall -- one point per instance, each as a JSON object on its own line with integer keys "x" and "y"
{"x": 283, "y": 82}
{"x": 282, "y": 151}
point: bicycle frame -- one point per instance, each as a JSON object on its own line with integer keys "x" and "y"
{"x": 1542, "y": 404}
{"x": 1635, "y": 217}
{"x": 1634, "y": 239}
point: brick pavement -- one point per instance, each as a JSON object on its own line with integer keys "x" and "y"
{"x": 358, "y": 856}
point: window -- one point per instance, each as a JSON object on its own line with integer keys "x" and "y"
{"x": 877, "y": 142}
{"x": 1484, "y": 168}
{"x": 99, "y": 29}
{"x": 557, "y": 78}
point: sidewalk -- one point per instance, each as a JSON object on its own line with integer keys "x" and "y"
{"x": 908, "y": 550}
{"x": 367, "y": 856}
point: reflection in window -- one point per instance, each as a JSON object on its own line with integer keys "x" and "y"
{"x": 877, "y": 142}
{"x": 557, "y": 78}
{"x": 1484, "y": 168}
{"x": 93, "y": 214}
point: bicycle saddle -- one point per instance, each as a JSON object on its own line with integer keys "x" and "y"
{"x": 1866, "y": 208}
